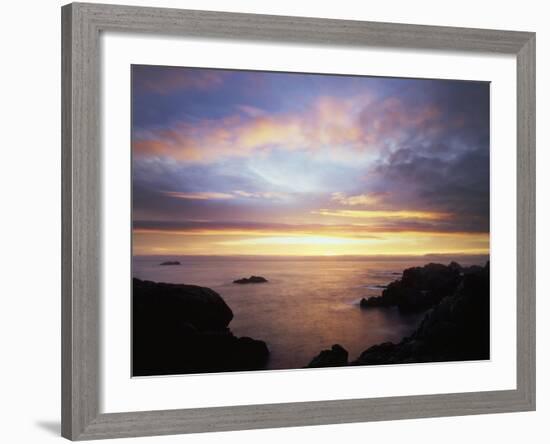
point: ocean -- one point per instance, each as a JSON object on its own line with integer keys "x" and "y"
{"x": 309, "y": 303}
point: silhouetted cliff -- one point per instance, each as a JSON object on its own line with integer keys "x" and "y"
{"x": 181, "y": 328}
{"x": 421, "y": 287}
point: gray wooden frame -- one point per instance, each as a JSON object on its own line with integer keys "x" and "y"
{"x": 81, "y": 26}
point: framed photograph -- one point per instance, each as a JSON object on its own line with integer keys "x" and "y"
{"x": 278, "y": 221}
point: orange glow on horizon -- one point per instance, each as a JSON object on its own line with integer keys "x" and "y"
{"x": 391, "y": 214}
{"x": 307, "y": 244}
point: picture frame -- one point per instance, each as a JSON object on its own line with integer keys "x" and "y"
{"x": 82, "y": 24}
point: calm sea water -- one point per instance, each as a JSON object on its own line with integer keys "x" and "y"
{"x": 308, "y": 304}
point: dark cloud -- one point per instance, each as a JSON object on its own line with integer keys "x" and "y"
{"x": 459, "y": 186}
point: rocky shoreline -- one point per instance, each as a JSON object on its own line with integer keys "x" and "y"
{"x": 421, "y": 288}
{"x": 180, "y": 328}
{"x": 457, "y": 328}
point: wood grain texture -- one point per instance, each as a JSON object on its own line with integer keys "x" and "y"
{"x": 81, "y": 234}
{"x": 80, "y": 220}
{"x": 259, "y": 27}
{"x": 526, "y": 220}
{"x": 119, "y": 425}
{"x": 66, "y": 224}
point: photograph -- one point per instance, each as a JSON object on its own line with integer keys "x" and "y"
{"x": 301, "y": 220}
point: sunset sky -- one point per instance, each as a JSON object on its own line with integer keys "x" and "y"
{"x": 243, "y": 162}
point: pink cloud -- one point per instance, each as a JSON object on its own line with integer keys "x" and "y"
{"x": 392, "y": 116}
{"x": 214, "y": 195}
{"x": 330, "y": 123}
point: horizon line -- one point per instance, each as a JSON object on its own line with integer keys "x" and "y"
{"x": 387, "y": 255}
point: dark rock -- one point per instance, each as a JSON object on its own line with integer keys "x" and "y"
{"x": 181, "y": 328}
{"x": 376, "y": 301}
{"x": 254, "y": 353}
{"x": 179, "y": 303}
{"x": 456, "y": 329}
{"x": 377, "y": 354}
{"x": 171, "y": 263}
{"x": 455, "y": 266}
{"x": 420, "y": 287}
{"x": 251, "y": 280}
{"x": 337, "y": 356}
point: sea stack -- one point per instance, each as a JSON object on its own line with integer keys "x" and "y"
{"x": 251, "y": 280}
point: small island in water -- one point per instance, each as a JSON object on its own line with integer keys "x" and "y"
{"x": 170, "y": 263}
{"x": 251, "y": 280}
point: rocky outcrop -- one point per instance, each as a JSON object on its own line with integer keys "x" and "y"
{"x": 456, "y": 329}
{"x": 171, "y": 263}
{"x": 420, "y": 288}
{"x": 181, "y": 328}
{"x": 337, "y": 356}
{"x": 251, "y": 280}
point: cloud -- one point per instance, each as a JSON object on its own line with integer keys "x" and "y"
{"x": 344, "y": 115}
{"x": 199, "y": 195}
{"x": 165, "y": 80}
{"x": 329, "y": 122}
{"x": 237, "y": 228}
{"x": 384, "y": 214}
{"x": 342, "y": 126}
{"x": 272, "y": 195}
{"x": 213, "y": 195}
{"x": 323, "y": 156}
{"x": 458, "y": 185}
{"x": 393, "y": 118}
{"x": 368, "y": 199}
{"x": 298, "y": 240}
{"x": 375, "y": 229}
